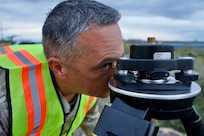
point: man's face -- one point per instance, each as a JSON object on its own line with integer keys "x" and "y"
{"x": 89, "y": 74}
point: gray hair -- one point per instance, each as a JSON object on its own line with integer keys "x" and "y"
{"x": 70, "y": 18}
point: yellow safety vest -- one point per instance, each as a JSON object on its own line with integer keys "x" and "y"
{"x": 34, "y": 104}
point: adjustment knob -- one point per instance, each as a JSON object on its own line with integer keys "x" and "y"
{"x": 185, "y": 77}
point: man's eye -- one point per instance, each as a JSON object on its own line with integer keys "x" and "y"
{"x": 110, "y": 65}
{"x": 107, "y": 65}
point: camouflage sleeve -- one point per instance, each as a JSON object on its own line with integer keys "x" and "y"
{"x": 2, "y": 124}
{"x": 3, "y": 106}
{"x": 91, "y": 119}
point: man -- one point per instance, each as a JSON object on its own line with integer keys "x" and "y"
{"x": 56, "y": 94}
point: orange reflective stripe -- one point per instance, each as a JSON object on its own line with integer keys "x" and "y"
{"x": 39, "y": 92}
{"x": 8, "y": 49}
{"x": 88, "y": 105}
{"x": 26, "y": 87}
{"x": 85, "y": 104}
{"x": 34, "y": 109}
{"x": 42, "y": 98}
{"x": 28, "y": 94}
{"x": 40, "y": 88}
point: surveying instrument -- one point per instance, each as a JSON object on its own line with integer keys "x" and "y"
{"x": 151, "y": 84}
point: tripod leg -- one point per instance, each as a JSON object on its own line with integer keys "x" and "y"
{"x": 193, "y": 124}
{"x": 121, "y": 120}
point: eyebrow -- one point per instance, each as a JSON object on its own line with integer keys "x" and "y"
{"x": 105, "y": 60}
{"x": 102, "y": 62}
{"x": 108, "y": 59}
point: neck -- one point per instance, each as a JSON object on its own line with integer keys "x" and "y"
{"x": 68, "y": 96}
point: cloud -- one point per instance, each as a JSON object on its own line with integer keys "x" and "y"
{"x": 24, "y": 18}
{"x": 164, "y": 19}
{"x": 167, "y": 20}
{"x": 162, "y": 27}
{"x": 168, "y": 8}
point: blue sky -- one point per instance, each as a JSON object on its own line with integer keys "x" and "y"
{"x": 163, "y": 19}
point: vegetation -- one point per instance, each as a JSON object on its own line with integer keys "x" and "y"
{"x": 197, "y": 54}
{"x": 184, "y": 51}
{"x": 4, "y": 42}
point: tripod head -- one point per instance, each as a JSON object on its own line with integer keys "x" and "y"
{"x": 151, "y": 83}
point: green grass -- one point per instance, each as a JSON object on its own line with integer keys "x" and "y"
{"x": 198, "y": 66}
{"x": 198, "y": 55}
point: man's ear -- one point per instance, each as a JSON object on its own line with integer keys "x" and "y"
{"x": 56, "y": 66}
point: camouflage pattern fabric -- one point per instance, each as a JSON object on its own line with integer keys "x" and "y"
{"x": 3, "y": 106}
{"x": 3, "y": 123}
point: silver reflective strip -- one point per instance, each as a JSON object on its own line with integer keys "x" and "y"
{"x": 34, "y": 90}
{"x": 3, "y": 51}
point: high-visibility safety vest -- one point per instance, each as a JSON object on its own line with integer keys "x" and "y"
{"x": 34, "y": 104}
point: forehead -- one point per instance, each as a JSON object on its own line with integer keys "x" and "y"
{"x": 102, "y": 39}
